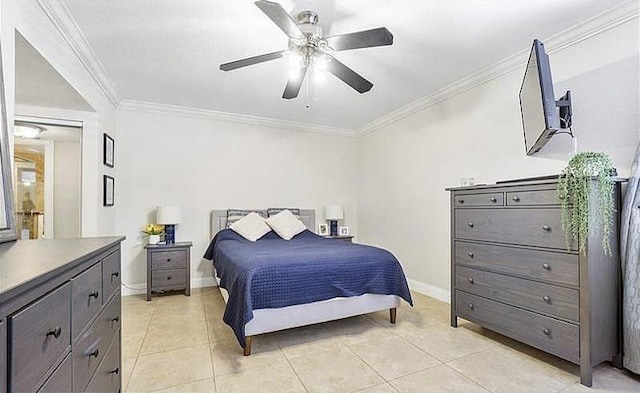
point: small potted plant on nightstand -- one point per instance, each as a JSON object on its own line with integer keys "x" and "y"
{"x": 586, "y": 170}
{"x": 153, "y": 231}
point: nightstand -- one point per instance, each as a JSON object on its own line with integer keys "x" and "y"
{"x": 346, "y": 238}
{"x": 168, "y": 267}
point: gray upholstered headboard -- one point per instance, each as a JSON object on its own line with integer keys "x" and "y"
{"x": 219, "y": 220}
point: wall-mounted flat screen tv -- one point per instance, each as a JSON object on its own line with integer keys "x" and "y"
{"x": 540, "y": 119}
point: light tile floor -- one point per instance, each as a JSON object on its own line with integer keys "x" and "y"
{"x": 180, "y": 344}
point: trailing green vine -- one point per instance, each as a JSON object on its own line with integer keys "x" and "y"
{"x": 574, "y": 189}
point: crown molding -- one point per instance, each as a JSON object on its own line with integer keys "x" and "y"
{"x": 566, "y": 38}
{"x": 61, "y": 18}
{"x": 153, "y": 107}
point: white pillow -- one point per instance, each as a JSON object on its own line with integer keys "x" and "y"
{"x": 252, "y": 227}
{"x": 286, "y": 225}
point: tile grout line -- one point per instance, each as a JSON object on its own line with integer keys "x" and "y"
{"x": 293, "y": 369}
{"x": 468, "y": 377}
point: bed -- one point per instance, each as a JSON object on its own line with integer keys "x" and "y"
{"x": 268, "y": 284}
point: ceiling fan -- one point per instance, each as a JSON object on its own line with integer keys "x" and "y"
{"x": 309, "y": 50}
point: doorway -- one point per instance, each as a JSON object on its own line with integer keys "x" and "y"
{"x": 47, "y": 177}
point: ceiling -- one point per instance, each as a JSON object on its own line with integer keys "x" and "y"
{"x": 38, "y": 83}
{"x": 52, "y": 132}
{"x": 169, "y": 51}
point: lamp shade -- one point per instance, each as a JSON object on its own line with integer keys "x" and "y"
{"x": 333, "y": 212}
{"x": 168, "y": 215}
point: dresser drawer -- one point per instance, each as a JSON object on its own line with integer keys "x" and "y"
{"x": 110, "y": 275}
{"x": 109, "y": 319}
{"x": 3, "y": 356}
{"x": 533, "y": 198}
{"x": 169, "y": 278}
{"x": 548, "y": 334}
{"x": 86, "y": 301}
{"x": 40, "y": 336}
{"x": 61, "y": 380}
{"x": 168, "y": 259}
{"x": 550, "y": 299}
{"x": 554, "y": 267}
{"x": 108, "y": 375}
{"x": 489, "y": 199}
{"x": 534, "y": 227}
{"x": 88, "y": 353}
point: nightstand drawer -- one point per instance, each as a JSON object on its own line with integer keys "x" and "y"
{"x": 169, "y": 277}
{"x": 168, "y": 259}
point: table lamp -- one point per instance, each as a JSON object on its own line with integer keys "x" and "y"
{"x": 169, "y": 216}
{"x": 333, "y": 213}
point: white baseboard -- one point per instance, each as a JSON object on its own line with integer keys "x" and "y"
{"x": 196, "y": 282}
{"x": 430, "y": 290}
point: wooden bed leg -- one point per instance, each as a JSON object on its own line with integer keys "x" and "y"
{"x": 392, "y": 315}
{"x": 247, "y": 347}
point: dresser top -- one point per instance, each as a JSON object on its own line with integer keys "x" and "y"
{"x": 26, "y": 263}
{"x": 543, "y": 180}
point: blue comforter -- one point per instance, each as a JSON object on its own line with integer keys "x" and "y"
{"x": 274, "y": 273}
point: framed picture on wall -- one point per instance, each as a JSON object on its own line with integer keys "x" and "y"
{"x": 323, "y": 230}
{"x": 108, "y": 147}
{"x": 108, "y": 190}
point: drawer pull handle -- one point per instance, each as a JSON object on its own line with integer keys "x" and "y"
{"x": 546, "y": 266}
{"x": 546, "y": 299}
{"x": 55, "y": 332}
{"x": 95, "y": 353}
{"x": 115, "y": 274}
{"x": 115, "y": 319}
{"x": 516, "y": 199}
{"x": 546, "y": 332}
{"x": 116, "y": 371}
{"x": 471, "y": 306}
{"x": 168, "y": 259}
{"x": 470, "y": 280}
{"x": 546, "y": 228}
{"x": 460, "y": 200}
{"x": 493, "y": 199}
{"x": 470, "y": 225}
{"x": 94, "y": 294}
{"x": 470, "y": 254}
{"x": 168, "y": 277}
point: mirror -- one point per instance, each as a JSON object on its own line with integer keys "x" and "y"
{"x": 7, "y": 221}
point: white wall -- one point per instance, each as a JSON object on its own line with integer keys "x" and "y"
{"x": 201, "y": 165}
{"x": 31, "y": 21}
{"x": 404, "y": 168}
{"x": 66, "y": 190}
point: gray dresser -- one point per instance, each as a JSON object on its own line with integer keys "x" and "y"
{"x": 512, "y": 273}
{"x": 60, "y": 315}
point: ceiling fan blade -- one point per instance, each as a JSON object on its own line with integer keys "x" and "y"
{"x": 281, "y": 18}
{"x": 251, "y": 60}
{"x": 294, "y": 83}
{"x": 361, "y": 39}
{"x": 348, "y": 76}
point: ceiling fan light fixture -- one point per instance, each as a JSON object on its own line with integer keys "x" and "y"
{"x": 27, "y": 131}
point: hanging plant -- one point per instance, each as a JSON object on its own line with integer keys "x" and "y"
{"x": 574, "y": 188}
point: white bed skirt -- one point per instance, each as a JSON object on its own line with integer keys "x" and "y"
{"x": 273, "y": 319}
